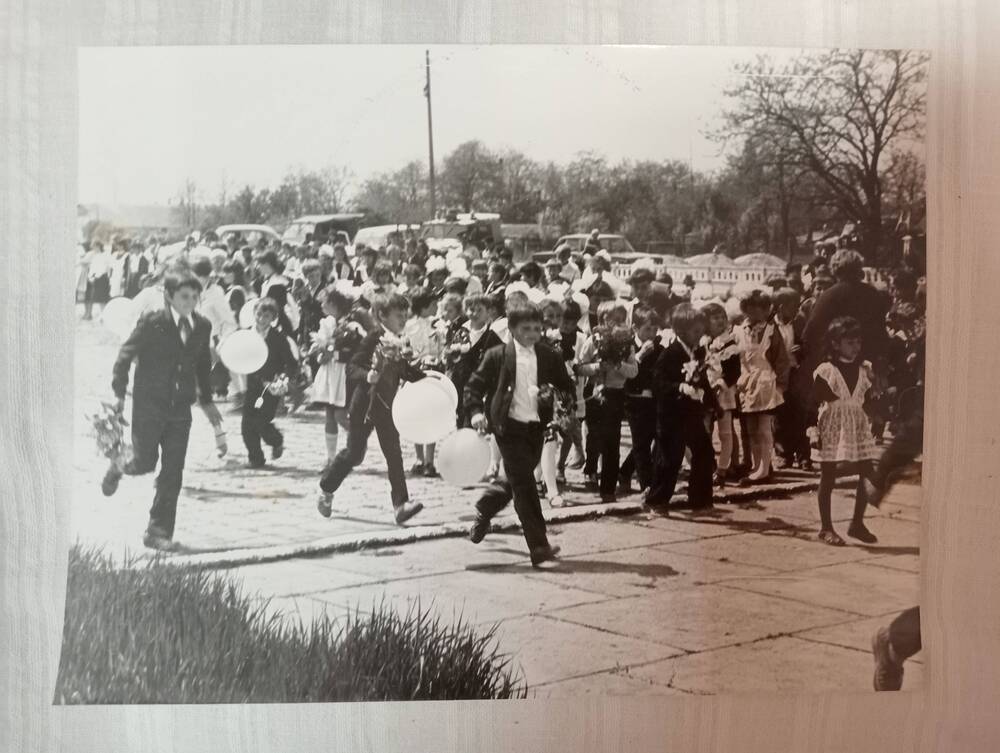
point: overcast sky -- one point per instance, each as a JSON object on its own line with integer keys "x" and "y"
{"x": 151, "y": 117}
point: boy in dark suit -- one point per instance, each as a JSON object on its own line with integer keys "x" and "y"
{"x": 684, "y": 398}
{"x": 261, "y": 402}
{"x": 377, "y": 368}
{"x": 503, "y": 396}
{"x": 469, "y": 346}
{"x": 640, "y": 403}
{"x": 172, "y": 347}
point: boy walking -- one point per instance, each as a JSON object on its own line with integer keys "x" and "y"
{"x": 377, "y": 367}
{"x": 684, "y": 398}
{"x": 640, "y": 405}
{"x": 174, "y": 363}
{"x": 503, "y": 396}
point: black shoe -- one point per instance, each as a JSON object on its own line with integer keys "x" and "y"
{"x": 324, "y": 503}
{"x": 624, "y": 486}
{"x": 417, "y": 469}
{"x": 543, "y": 554}
{"x": 407, "y": 510}
{"x": 109, "y": 485}
{"x": 431, "y": 472}
{"x": 479, "y": 530}
{"x": 862, "y": 534}
{"x": 277, "y": 451}
{"x": 256, "y": 463}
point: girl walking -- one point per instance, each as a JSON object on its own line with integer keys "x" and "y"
{"x": 840, "y": 385}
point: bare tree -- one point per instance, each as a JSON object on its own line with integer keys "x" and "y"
{"x": 838, "y": 115}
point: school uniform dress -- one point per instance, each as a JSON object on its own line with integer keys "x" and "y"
{"x": 258, "y": 422}
{"x": 844, "y": 429}
{"x": 173, "y": 366}
{"x": 371, "y": 410}
{"x": 330, "y": 383}
{"x": 758, "y": 387}
{"x": 505, "y": 388}
{"x": 680, "y": 423}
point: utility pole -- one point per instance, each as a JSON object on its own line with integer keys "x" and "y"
{"x": 430, "y": 131}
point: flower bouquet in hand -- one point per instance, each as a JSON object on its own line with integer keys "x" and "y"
{"x": 614, "y": 345}
{"x": 561, "y": 403}
{"x": 278, "y": 387}
{"x": 108, "y": 425}
{"x": 694, "y": 373}
{"x": 347, "y": 336}
{"x": 455, "y": 347}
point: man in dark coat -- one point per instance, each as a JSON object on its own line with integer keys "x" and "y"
{"x": 174, "y": 362}
{"x": 658, "y": 295}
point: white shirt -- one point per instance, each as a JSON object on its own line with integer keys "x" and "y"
{"x": 213, "y": 305}
{"x": 177, "y": 321}
{"x": 500, "y": 327}
{"x": 475, "y": 334}
{"x": 524, "y": 405}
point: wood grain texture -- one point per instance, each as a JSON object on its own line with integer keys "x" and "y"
{"x": 956, "y": 711}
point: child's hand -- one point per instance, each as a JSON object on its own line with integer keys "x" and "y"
{"x": 372, "y": 376}
{"x": 479, "y": 423}
{"x": 645, "y": 349}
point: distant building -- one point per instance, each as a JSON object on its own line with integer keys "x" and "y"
{"x": 130, "y": 219}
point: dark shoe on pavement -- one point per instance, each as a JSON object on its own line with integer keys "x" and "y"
{"x": 607, "y": 499}
{"x": 860, "y": 532}
{"x": 592, "y": 481}
{"x": 624, "y": 485}
{"x": 888, "y": 672}
{"x": 109, "y": 485}
{"x": 417, "y": 469}
{"x": 256, "y": 463}
{"x": 407, "y": 510}
{"x": 160, "y": 543}
{"x": 431, "y": 472}
{"x": 277, "y": 451}
{"x": 543, "y": 554}
{"x": 324, "y": 503}
{"x": 479, "y": 530}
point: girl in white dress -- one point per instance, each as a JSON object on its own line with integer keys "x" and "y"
{"x": 333, "y": 345}
{"x": 839, "y": 386}
{"x": 763, "y": 379}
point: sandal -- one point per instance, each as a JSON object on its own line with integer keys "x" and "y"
{"x": 831, "y": 538}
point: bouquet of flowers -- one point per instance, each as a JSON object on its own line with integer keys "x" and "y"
{"x": 278, "y": 387}
{"x": 108, "y": 426}
{"x": 561, "y": 403}
{"x": 694, "y": 372}
{"x": 614, "y": 344}
{"x": 455, "y": 347}
{"x": 347, "y": 336}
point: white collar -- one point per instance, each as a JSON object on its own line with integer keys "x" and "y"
{"x": 689, "y": 351}
{"x": 522, "y": 349}
{"x": 178, "y": 317}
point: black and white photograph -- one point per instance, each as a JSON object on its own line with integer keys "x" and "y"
{"x": 495, "y": 372}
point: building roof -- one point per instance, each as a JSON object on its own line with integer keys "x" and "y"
{"x": 711, "y": 260}
{"x": 759, "y": 260}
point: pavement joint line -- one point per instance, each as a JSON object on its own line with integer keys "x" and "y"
{"x": 615, "y": 671}
{"x": 789, "y": 598}
{"x": 413, "y": 534}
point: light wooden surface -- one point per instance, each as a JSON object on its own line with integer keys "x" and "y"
{"x": 956, "y": 711}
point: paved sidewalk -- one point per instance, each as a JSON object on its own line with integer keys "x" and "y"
{"x": 742, "y": 600}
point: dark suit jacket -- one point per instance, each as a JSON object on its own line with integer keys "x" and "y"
{"x": 668, "y": 376}
{"x": 493, "y": 382}
{"x": 857, "y": 299}
{"x": 469, "y": 362}
{"x": 378, "y": 396}
{"x": 279, "y": 361}
{"x": 169, "y": 375}
{"x": 136, "y": 267}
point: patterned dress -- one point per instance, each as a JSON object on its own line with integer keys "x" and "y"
{"x": 844, "y": 429}
{"x": 758, "y": 385}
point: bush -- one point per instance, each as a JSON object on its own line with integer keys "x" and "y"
{"x": 163, "y": 634}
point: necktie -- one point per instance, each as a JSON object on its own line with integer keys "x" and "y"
{"x": 185, "y": 327}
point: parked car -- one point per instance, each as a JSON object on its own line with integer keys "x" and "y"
{"x": 445, "y": 234}
{"x": 320, "y": 225}
{"x": 380, "y": 236}
{"x": 248, "y": 235}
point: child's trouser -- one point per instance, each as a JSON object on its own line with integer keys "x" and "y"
{"x": 685, "y": 431}
{"x": 641, "y": 413}
{"x": 604, "y": 437}
{"x": 258, "y": 424}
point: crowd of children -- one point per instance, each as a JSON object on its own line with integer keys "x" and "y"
{"x": 553, "y": 361}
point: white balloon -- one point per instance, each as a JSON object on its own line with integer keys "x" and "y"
{"x": 248, "y": 314}
{"x": 422, "y": 412}
{"x": 243, "y": 352}
{"x": 463, "y": 457}
{"x": 119, "y": 316}
{"x": 444, "y": 383}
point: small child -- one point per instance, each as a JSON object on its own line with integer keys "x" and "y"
{"x": 571, "y": 342}
{"x": 608, "y": 358}
{"x": 791, "y": 416}
{"x": 266, "y": 386}
{"x": 465, "y": 350}
{"x": 427, "y": 343}
{"x": 684, "y": 399}
{"x": 764, "y": 376}
{"x": 840, "y": 385}
{"x": 334, "y": 345}
{"x": 723, "y": 370}
{"x": 640, "y": 403}
{"x": 378, "y": 367}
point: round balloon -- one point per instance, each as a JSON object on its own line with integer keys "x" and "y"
{"x": 422, "y": 412}
{"x": 119, "y": 316}
{"x": 443, "y": 382}
{"x": 243, "y": 352}
{"x": 248, "y": 314}
{"x": 463, "y": 458}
